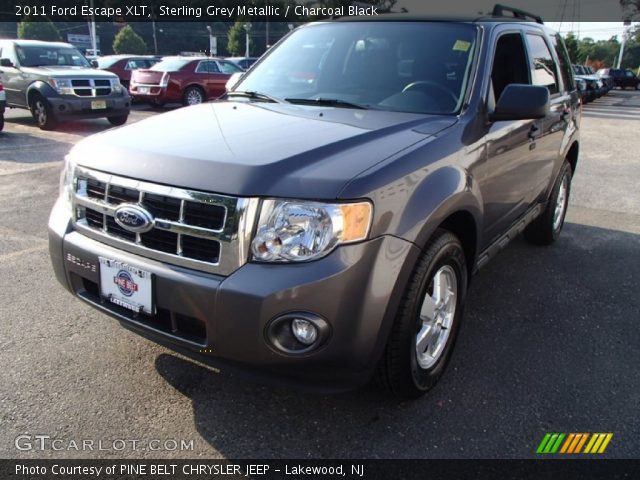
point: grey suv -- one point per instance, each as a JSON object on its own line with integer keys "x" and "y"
{"x": 56, "y": 83}
{"x": 322, "y": 222}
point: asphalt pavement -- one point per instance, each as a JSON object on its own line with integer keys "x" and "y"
{"x": 550, "y": 340}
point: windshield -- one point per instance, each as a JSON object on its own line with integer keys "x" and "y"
{"x": 171, "y": 64}
{"x": 420, "y": 67}
{"x": 39, "y": 56}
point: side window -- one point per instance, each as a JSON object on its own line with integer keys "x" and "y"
{"x": 229, "y": 68}
{"x": 630, "y": 74}
{"x": 544, "y": 71}
{"x": 565, "y": 62}
{"x": 207, "y": 67}
{"x": 509, "y": 65}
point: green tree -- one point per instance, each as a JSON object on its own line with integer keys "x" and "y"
{"x": 40, "y": 30}
{"x": 236, "y": 43}
{"x": 571, "y": 43}
{"x": 128, "y": 41}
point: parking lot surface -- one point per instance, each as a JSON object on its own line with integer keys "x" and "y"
{"x": 550, "y": 340}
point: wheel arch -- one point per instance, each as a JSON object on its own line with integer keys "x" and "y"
{"x": 572, "y": 156}
{"x": 38, "y": 88}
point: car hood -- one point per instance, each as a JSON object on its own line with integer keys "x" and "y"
{"x": 68, "y": 72}
{"x": 257, "y": 149}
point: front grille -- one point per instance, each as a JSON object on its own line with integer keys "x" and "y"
{"x": 195, "y": 229}
{"x": 91, "y": 87}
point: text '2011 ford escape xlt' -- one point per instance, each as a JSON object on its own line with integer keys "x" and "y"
{"x": 321, "y": 222}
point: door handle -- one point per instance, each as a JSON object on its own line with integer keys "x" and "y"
{"x": 534, "y": 132}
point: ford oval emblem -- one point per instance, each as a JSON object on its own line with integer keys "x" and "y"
{"x": 133, "y": 218}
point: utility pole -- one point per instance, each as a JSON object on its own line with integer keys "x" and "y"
{"x": 93, "y": 31}
{"x": 247, "y": 28}
{"x": 153, "y": 26}
{"x": 624, "y": 39}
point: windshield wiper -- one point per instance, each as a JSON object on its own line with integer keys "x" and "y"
{"x": 326, "y": 102}
{"x": 253, "y": 96}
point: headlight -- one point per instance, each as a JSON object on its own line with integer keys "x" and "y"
{"x": 67, "y": 186}
{"x": 116, "y": 86}
{"x": 297, "y": 231}
{"x": 61, "y": 85}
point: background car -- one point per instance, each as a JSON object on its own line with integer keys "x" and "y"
{"x": 622, "y": 78}
{"x": 57, "y": 83}
{"x": 185, "y": 80}
{"x": 123, "y": 65}
{"x": 3, "y": 102}
{"x": 595, "y": 86}
{"x": 243, "y": 62}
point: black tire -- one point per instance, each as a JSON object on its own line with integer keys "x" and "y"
{"x": 42, "y": 113}
{"x": 1, "y": 121}
{"x": 118, "y": 120}
{"x": 545, "y": 229}
{"x": 399, "y": 370}
{"x": 193, "y": 96}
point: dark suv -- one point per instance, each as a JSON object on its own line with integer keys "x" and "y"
{"x": 323, "y": 230}
{"x": 622, "y": 78}
{"x": 56, "y": 83}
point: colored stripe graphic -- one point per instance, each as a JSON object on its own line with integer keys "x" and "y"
{"x": 543, "y": 443}
{"x": 573, "y": 443}
{"x": 581, "y": 443}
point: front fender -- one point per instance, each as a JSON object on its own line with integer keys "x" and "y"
{"x": 43, "y": 88}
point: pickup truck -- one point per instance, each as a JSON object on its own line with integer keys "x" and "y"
{"x": 56, "y": 83}
{"x": 320, "y": 223}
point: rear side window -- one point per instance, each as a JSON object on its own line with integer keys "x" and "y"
{"x": 564, "y": 61}
{"x": 207, "y": 67}
{"x": 544, "y": 71}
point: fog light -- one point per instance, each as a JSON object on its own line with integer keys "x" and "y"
{"x": 296, "y": 333}
{"x": 304, "y": 331}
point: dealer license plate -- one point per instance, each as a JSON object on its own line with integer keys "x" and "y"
{"x": 98, "y": 105}
{"x": 126, "y": 286}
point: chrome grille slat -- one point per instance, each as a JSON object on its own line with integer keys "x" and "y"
{"x": 216, "y": 250}
{"x": 90, "y": 87}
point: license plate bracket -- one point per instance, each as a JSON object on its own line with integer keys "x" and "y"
{"x": 126, "y": 285}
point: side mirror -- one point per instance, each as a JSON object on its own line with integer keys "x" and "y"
{"x": 233, "y": 80}
{"x": 5, "y": 62}
{"x": 94, "y": 63}
{"x": 521, "y": 102}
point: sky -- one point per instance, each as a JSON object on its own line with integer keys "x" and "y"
{"x": 595, "y": 30}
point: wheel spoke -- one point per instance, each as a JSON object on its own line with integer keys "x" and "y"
{"x": 428, "y": 310}
{"x": 424, "y": 339}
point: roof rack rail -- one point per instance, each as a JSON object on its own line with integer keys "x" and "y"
{"x": 499, "y": 11}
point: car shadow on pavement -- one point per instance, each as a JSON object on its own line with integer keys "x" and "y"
{"x": 549, "y": 344}
{"x": 84, "y": 127}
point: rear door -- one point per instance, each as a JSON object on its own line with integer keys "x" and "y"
{"x": 206, "y": 73}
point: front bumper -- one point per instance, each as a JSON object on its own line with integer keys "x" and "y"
{"x": 66, "y": 107}
{"x": 223, "y": 320}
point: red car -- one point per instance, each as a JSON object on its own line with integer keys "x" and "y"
{"x": 185, "y": 80}
{"x": 124, "y": 65}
